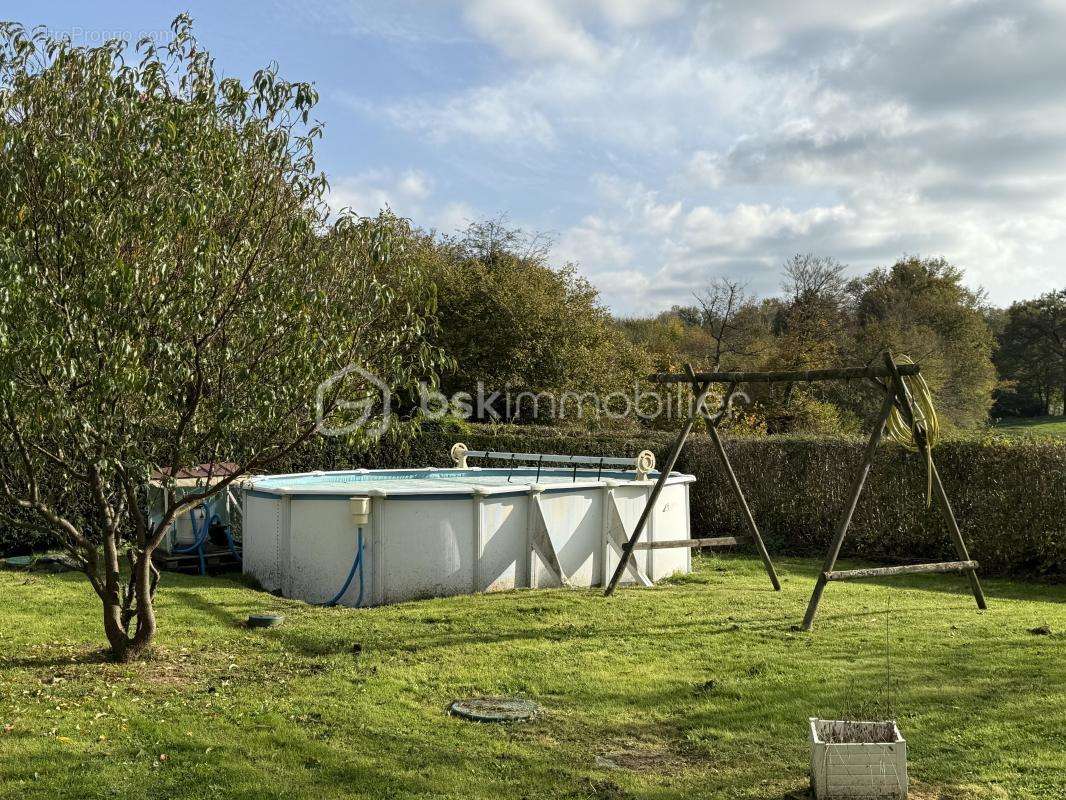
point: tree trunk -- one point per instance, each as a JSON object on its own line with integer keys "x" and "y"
{"x": 145, "y": 597}
{"x": 129, "y": 640}
{"x": 114, "y": 629}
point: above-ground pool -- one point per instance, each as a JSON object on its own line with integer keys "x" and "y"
{"x": 434, "y": 532}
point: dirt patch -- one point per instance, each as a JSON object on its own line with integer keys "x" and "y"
{"x": 641, "y": 759}
{"x": 602, "y": 789}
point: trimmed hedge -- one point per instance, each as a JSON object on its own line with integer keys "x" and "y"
{"x": 1009, "y": 498}
{"x": 1009, "y": 495}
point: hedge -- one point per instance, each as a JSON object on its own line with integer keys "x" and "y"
{"x": 1009, "y": 498}
{"x": 1009, "y": 495}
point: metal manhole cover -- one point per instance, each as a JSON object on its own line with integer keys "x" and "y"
{"x": 494, "y": 709}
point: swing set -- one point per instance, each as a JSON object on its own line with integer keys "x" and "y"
{"x": 908, "y": 417}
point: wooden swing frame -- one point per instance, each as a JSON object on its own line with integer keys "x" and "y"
{"x": 889, "y": 378}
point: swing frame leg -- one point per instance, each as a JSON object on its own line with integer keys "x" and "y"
{"x": 753, "y": 528}
{"x": 907, "y": 409}
{"x": 849, "y": 510}
{"x": 956, "y": 535}
{"x": 679, "y": 443}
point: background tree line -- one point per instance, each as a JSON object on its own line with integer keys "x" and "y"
{"x": 512, "y": 321}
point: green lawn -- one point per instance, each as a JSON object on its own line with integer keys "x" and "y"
{"x": 697, "y": 688}
{"x": 1033, "y": 426}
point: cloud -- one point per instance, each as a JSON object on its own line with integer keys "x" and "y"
{"x": 373, "y": 190}
{"x": 551, "y": 30}
{"x": 496, "y": 115}
{"x": 531, "y": 29}
{"x": 672, "y": 142}
{"x": 409, "y": 193}
{"x": 595, "y": 244}
{"x": 453, "y": 217}
{"x": 745, "y": 226}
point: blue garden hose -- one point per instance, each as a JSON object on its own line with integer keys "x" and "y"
{"x": 357, "y": 565}
{"x": 200, "y": 537}
{"x": 237, "y": 554}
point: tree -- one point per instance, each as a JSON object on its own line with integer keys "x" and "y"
{"x": 173, "y": 291}
{"x": 670, "y": 338}
{"x": 732, "y": 321}
{"x": 514, "y": 324}
{"x": 1032, "y": 354}
{"x": 812, "y": 323}
{"x": 920, "y": 307}
{"x": 809, "y": 328}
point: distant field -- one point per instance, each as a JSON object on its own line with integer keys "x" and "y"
{"x": 1033, "y": 426}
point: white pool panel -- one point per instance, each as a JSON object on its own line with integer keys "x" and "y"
{"x": 432, "y": 533}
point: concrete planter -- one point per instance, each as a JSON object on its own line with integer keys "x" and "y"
{"x": 857, "y": 759}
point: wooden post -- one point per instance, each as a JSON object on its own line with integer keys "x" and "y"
{"x": 753, "y": 529}
{"x": 956, "y": 535}
{"x": 679, "y": 443}
{"x": 938, "y": 487}
{"x": 849, "y": 511}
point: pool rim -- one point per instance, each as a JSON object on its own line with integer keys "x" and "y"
{"x": 586, "y": 480}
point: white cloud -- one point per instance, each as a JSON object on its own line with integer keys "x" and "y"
{"x": 551, "y": 30}
{"x": 594, "y": 244}
{"x": 373, "y": 190}
{"x": 746, "y": 225}
{"x": 642, "y": 206}
{"x": 453, "y": 217}
{"x": 489, "y": 114}
{"x": 531, "y": 29}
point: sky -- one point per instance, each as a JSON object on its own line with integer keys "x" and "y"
{"x": 663, "y": 143}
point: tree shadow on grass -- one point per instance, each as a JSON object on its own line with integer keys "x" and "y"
{"x": 192, "y": 599}
{"x": 94, "y": 656}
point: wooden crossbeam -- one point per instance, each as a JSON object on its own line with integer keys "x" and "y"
{"x": 905, "y": 569}
{"x": 710, "y": 541}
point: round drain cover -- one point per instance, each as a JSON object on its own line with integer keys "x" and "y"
{"x": 264, "y": 620}
{"x": 495, "y": 709}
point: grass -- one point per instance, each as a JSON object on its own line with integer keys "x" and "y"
{"x": 696, "y": 688}
{"x": 1033, "y": 426}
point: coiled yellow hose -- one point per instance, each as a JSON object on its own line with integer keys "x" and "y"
{"x": 925, "y": 419}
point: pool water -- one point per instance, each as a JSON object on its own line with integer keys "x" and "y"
{"x": 435, "y": 481}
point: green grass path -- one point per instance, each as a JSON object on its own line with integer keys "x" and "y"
{"x": 696, "y": 688}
